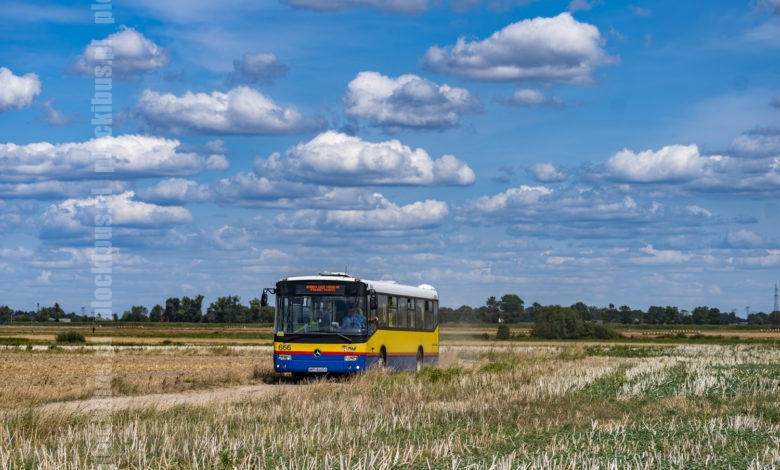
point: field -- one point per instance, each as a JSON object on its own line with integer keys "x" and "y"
{"x": 487, "y": 405}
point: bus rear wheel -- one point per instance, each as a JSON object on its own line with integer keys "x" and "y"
{"x": 419, "y": 366}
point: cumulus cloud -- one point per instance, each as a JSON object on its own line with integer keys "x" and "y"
{"x": 242, "y": 110}
{"x": 670, "y": 163}
{"x": 529, "y": 97}
{"x": 133, "y": 54}
{"x": 743, "y": 239}
{"x": 406, "y": 101}
{"x": 545, "y": 50}
{"x": 656, "y": 257}
{"x": 54, "y": 117}
{"x": 382, "y": 216}
{"x": 73, "y": 216}
{"x": 513, "y": 197}
{"x": 257, "y": 69}
{"x": 546, "y": 172}
{"x": 131, "y": 155}
{"x": 251, "y": 189}
{"x": 394, "y": 6}
{"x": 176, "y": 191}
{"x": 757, "y": 144}
{"x": 17, "y": 92}
{"x": 341, "y": 160}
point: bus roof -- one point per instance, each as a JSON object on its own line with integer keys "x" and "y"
{"x": 424, "y": 291}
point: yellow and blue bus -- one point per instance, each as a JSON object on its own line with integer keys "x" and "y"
{"x": 333, "y": 323}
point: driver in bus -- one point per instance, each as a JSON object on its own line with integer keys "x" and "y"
{"x": 353, "y": 319}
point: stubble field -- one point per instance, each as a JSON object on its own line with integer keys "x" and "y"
{"x": 486, "y": 405}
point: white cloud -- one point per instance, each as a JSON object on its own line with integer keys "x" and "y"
{"x": 407, "y": 101}
{"x": 383, "y": 216}
{"x": 133, "y": 54}
{"x": 529, "y": 97}
{"x": 176, "y": 190}
{"x": 661, "y": 256}
{"x": 54, "y": 117}
{"x": 342, "y": 160}
{"x": 44, "y": 278}
{"x": 131, "y": 156}
{"x": 76, "y": 215}
{"x": 699, "y": 211}
{"x": 251, "y": 189}
{"x": 17, "y": 92}
{"x": 757, "y": 144}
{"x": 257, "y": 68}
{"x": 546, "y": 172}
{"x": 394, "y": 6}
{"x": 513, "y": 197}
{"x": 744, "y": 239}
{"x": 546, "y": 50}
{"x": 670, "y": 163}
{"x": 242, "y": 110}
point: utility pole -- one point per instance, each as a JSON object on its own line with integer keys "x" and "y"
{"x": 775, "y": 298}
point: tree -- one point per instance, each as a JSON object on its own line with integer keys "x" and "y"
{"x": 511, "y": 308}
{"x": 556, "y": 322}
{"x": 582, "y": 311}
{"x": 258, "y": 313}
{"x": 6, "y": 314}
{"x": 137, "y": 313}
{"x": 157, "y": 313}
{"x": 225, "y": 310}
{"x": 491, "y": 312}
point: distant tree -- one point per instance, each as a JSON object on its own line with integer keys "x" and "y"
{"x": 259, "y": 313}
{"x": 157, "y": 313}
{"x": 491, "y": 312}
{"x": 172, "y": 309}
{"x": 447, "y": 315}
{"x": 511, "y": 308}
{"x": 582, "y": 311}
{"x": 466, "y": 314}
{"x": 6, "y": 314}
{"x": 192, "y": 308}
{"x": 137, "y": 313}
{"x": 556, "y": 322}
{"x": 225, "y": 310}
{"x": 626, "y": 314}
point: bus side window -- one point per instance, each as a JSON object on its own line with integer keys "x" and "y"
{"x": 392, "y": 312}
{"x": 418, "y": 314}
{"x": 410, "y": 313}
{"x": 381, "y": 309}
{"x": 428, "y": 314}
{"x": 402, "y": 320}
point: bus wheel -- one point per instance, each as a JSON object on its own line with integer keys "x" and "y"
{"x": 382, "y": 359}
{"x": 419, "y": 360}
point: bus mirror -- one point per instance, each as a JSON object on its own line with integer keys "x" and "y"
{"x": 372, "y": 303}
{"x": 264, "y": 300}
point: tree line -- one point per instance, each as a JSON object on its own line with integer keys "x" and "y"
{"x": 510, "y": 308}
{"x": 185, "y": 309}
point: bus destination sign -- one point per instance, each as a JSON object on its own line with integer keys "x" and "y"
{"x": 337, "y": 289}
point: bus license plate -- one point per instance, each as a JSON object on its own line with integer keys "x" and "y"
{"x": 318, "y": 369}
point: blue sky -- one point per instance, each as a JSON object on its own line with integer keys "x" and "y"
{"x": 564, "y": 151}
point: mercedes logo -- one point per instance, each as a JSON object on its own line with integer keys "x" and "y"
{"x": 317, "y": 352}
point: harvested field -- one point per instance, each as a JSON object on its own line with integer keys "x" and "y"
{"x": 491, "y": 406}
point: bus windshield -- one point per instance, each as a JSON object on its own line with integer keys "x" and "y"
{"x": 320, "y": 308}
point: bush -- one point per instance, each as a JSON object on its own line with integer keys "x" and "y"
{"x": 503, "y": 332}
{"x": 71, "y": 337}
{"x": 556, "y": 322}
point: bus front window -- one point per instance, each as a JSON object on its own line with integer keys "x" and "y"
{"x": 320, "y": 314}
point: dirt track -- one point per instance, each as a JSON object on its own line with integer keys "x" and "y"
{"x": 162, "y": 401}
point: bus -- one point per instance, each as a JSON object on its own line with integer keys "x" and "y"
{"x": 334, "y": 323}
